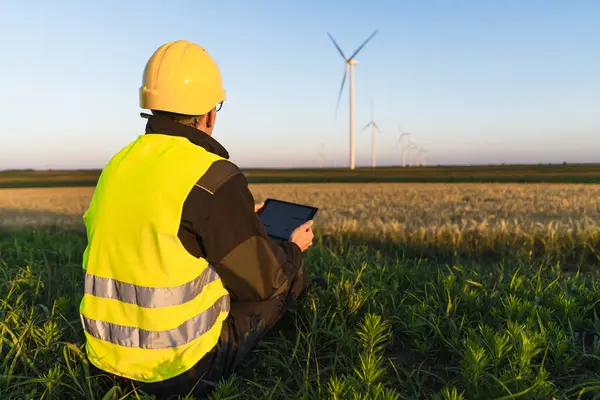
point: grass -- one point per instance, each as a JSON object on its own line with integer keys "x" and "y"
{"x": 464, "y": 311}
{"x": 548, "y": 173}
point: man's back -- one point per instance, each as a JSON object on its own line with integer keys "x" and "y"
{"x": 145, "y": 295}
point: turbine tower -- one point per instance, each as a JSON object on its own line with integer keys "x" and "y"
{"x": 411, "y": 147}
{"x": 373, "y": 126}
{"x": 350, "y": 62}
{"x": 402, "y": 139}
{"x": 421, "y": 156}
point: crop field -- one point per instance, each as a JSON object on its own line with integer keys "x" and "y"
{"x": 437, "y": 291}
{"x": 537, "y": 173}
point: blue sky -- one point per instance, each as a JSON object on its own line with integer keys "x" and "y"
{"x": 474, "y": 81}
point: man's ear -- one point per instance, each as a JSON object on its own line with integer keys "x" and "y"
{"x": 211, "y": 117}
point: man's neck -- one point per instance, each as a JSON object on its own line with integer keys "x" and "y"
{"x": 166, "y": 126}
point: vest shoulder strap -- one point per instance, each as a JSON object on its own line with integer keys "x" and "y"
{"x": 219, "y": 173}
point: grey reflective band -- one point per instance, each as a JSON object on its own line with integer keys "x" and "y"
{"x": 145, "y": 296}
{"x": 129, "y": 336}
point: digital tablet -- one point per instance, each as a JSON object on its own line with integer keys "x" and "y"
{"x": 280, "y": 218}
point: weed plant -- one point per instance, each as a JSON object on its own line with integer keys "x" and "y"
{"x": 446, "y": 318}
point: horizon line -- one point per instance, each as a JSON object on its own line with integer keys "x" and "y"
{"x": 432, "y": 165}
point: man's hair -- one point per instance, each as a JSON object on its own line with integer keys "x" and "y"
{"x": 188, "y": 120}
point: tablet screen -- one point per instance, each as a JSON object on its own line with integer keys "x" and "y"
{"x": 281, "y": 218}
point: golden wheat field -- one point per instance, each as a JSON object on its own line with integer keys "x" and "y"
{"x": 479, "y": 291}
{"x": 372, "y": 209}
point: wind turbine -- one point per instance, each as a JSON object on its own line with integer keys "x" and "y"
{"x": 421, "y": 157}
{"x": 417, "y": 155}
{"x": 411, "y": 147}
{"x": 402, "y": 139}
{"x": 373, "y": 126}
{"x": 350, "y": 62}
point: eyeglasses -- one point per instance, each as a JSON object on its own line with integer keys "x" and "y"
{"x": 219, "y": 106}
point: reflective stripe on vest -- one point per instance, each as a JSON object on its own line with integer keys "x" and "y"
{"x": 148, "y": 297}
{"x": 135, "y": 337}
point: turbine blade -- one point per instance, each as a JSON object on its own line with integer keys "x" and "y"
{"x": 341, "y": 89}
{"x": 337, "y": 47}
{"x": 376, "y": 127}
{"x": 362, "y": 45}
{"x": 366, "y": 126}
{"x": 372, "y": 116}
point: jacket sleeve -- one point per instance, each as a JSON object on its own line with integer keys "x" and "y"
{"x": 252, "y": 266}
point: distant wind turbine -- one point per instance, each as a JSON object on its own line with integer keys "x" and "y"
{"x": 421, "y": 157}
{"x": 404, "y": 136}
{"x": 411, "y": 147}
{"x": 373, "y": 126}
{"x": 350, "y": 62}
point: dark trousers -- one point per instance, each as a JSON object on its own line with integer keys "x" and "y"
{"x": 246, "y": 324}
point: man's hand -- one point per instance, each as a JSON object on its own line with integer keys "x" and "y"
{"x": 303, "y": 235}
{"x": 258, "y": 207}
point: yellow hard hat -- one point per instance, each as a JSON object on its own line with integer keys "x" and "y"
{"x": 181, "y": 77}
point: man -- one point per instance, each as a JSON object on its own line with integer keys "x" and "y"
{"x": 181, "y": 279}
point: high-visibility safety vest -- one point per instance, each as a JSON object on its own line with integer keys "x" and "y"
{"x": 150, "y": 309}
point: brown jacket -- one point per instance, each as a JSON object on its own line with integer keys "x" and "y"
{"x": 218, "y": 223}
